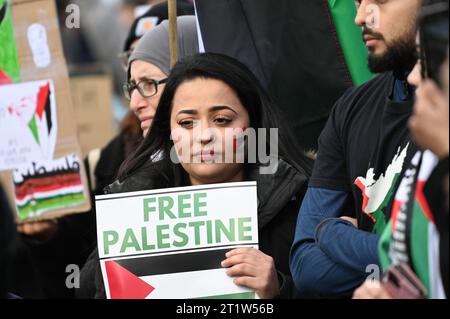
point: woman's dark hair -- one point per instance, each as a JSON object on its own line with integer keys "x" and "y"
{"x": 253, "y": 97}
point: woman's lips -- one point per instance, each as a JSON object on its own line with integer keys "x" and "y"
{"x": 206, "y": 156}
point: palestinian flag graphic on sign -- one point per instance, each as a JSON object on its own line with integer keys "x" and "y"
{"x": 44, "y": 186}
{"x": 186, "y": 275}
{"x": 43, "y": 108}
{"x": 4, "y": 78}
{"x": 170, "y": 243}
{"x": 28, "y": 122}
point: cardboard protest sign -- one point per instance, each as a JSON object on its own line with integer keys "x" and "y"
{"x": 28, "y": 123}
{"x": 91, "y": 95}
{"x": 9, "y": 61}
{"x": 48, "y": 186}
{"x": 169, "y": 244}
{"x": 40, "y": 147}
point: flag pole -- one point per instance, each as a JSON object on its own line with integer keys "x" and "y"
{"x": 173, "y": 32}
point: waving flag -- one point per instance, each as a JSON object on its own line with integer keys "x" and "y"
{"x": 307, "y": 53}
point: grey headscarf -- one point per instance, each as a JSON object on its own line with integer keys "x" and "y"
{"x": 154, "y": 46}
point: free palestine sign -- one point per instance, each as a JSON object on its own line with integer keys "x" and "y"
{"x": 169, "y": 244}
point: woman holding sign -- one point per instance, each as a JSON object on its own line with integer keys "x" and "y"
{"x": 205, "y": 97}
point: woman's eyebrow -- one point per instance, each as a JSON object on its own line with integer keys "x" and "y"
{"x": 189, "y": 112}
{"x": 212, "y": 109}
{"x": 221, "y": 108}
{"x": 142, "y": 78}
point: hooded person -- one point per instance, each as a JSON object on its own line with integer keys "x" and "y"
{"x": 149, "y": 67}
{"x": 153, "y": 17}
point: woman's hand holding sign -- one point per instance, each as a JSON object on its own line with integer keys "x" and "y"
{"x": 253, "y": 269}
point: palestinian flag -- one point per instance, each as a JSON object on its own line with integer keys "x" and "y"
{"x": 185, "y": 275}
{"x": 4, "y": 78}
{"x": 9, "y": 61}
{"x": 43, "y": 107}
{"x": 52, "y": 186}
{"x": 411, "y": 235}
{"x": 306, "y": 52}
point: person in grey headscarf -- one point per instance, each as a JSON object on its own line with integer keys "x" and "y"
{"x": 149, "y": 66}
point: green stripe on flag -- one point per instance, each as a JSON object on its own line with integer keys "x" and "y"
{"x": 350, "y": 37}
{"x": 9, "y": 61}
{"x": 34, "y": 130}
{"x": 28, "y": 210}
{"x": 244, "y": 295}
{"x": 419, "y": 246}
{"x": 383, "y": 247}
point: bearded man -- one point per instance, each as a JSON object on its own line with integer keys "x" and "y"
{"x": 362, "y": 151}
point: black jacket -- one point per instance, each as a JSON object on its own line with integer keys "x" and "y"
{"x": 279, "y": 199}
{"x": 7, "y": 239}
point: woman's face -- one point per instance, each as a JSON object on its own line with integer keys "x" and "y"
{"x": 202, "y": 113}
{"x": 145, "y": 108}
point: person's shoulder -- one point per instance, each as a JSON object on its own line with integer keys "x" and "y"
{"x": 114, "y": 147}
{"x": 364, "y": 96}
{"x": 150, "y": 176}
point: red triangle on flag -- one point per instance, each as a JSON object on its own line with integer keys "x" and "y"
{"x": 4, "y": 78}
{"x": 42, "y": 99}
{"x": 124, "y": 284}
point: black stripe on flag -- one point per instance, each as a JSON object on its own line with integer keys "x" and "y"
{"x": 48, "y": 112}
{"x": 3, "y": 12}
{"x": 176, "y": 263}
